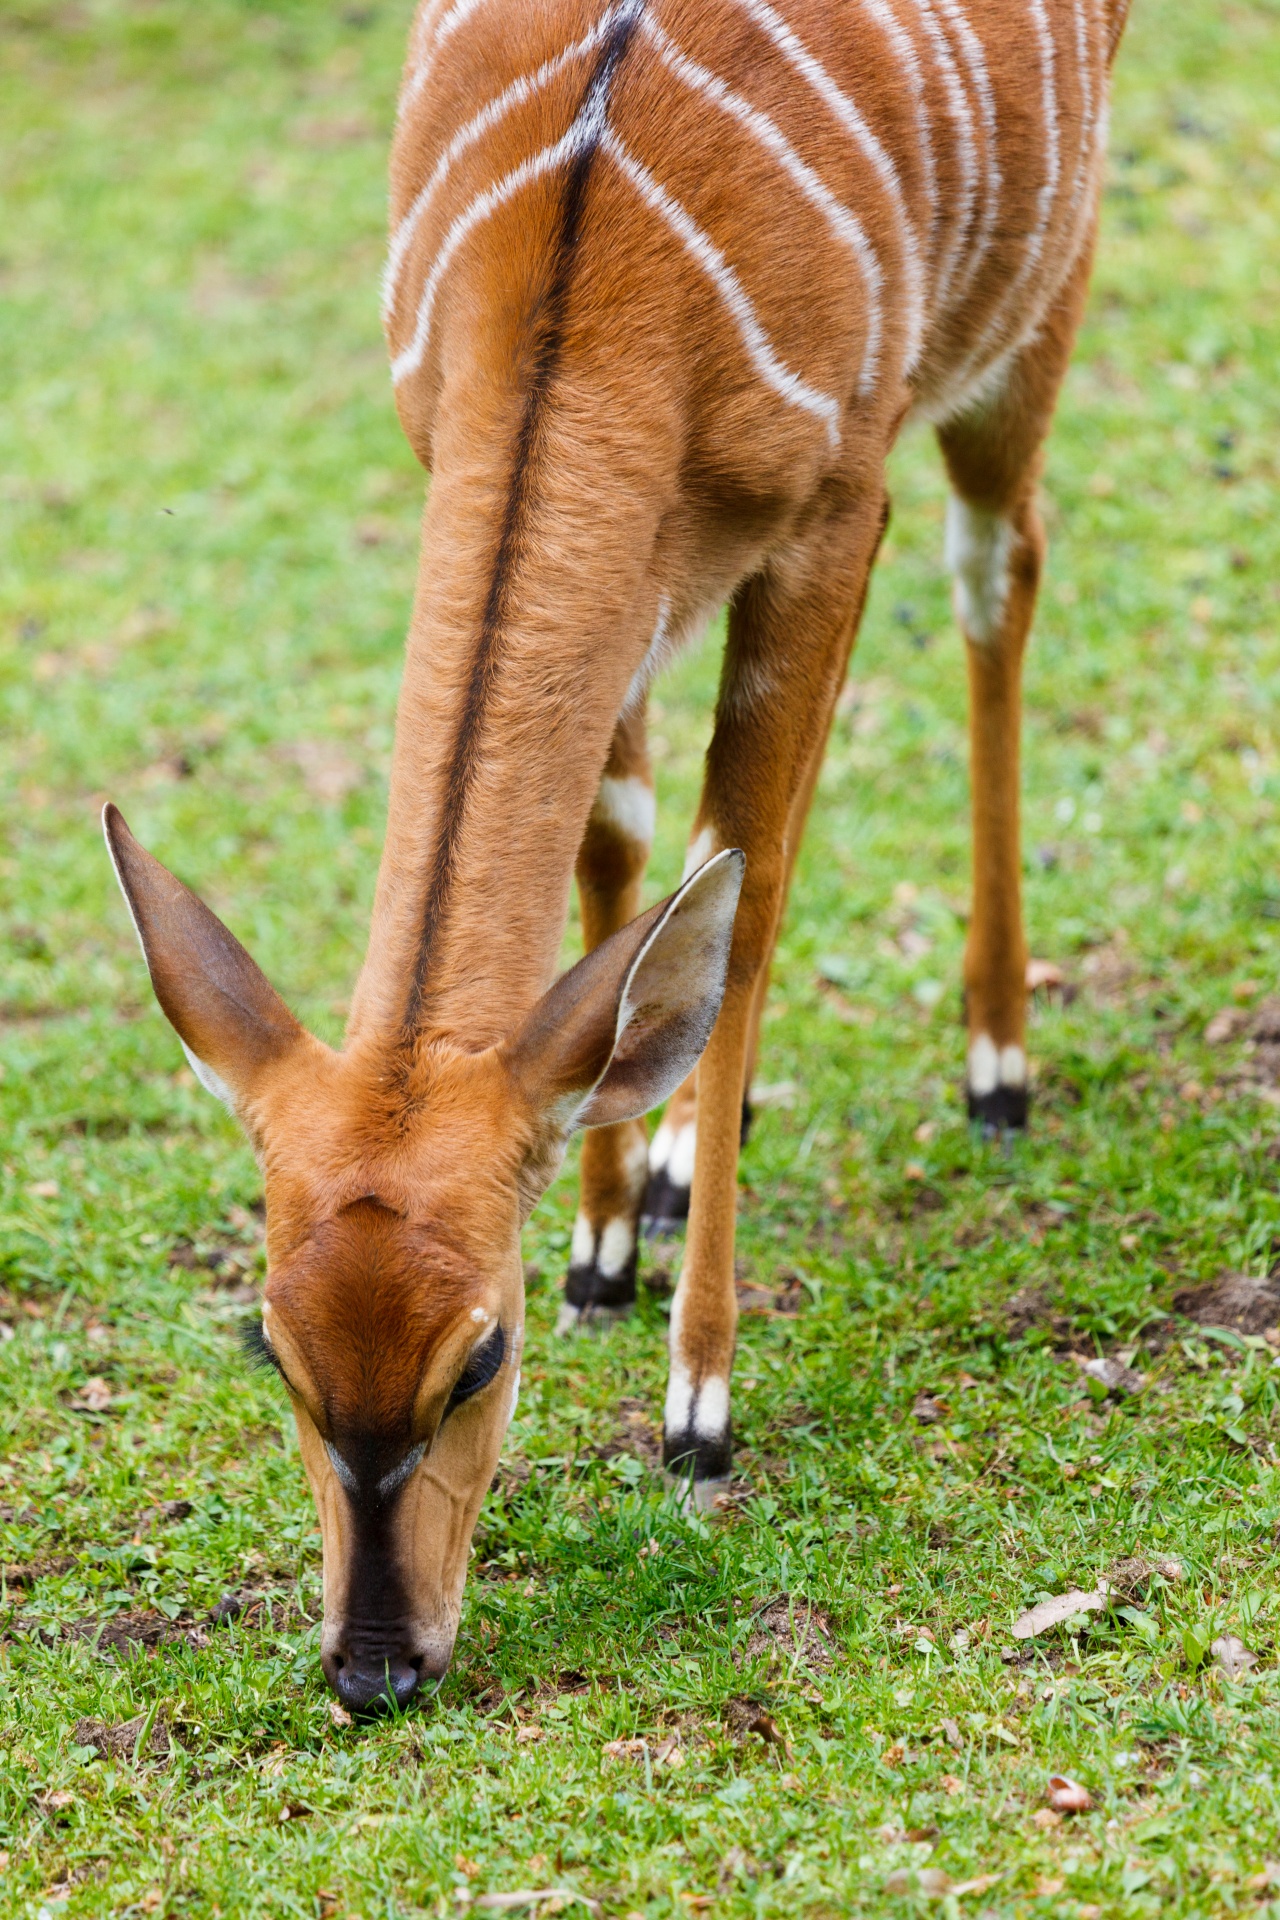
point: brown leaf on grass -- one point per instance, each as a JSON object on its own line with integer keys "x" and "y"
{"x": 339, "y": 1715}
{"x": 927, "y": 1408}
{"x": 932, "y": 1882}
{"x": 624, "y": 1750}
{"x": 1046, "y": 1819}
{"x": 1052, "y": 1613}
{"x": 1066, "y": 1795}
{"x": 951, "y": 1785}
{"x": 1232, "y": 1657}
{"x": 1130, "y": 1577}
{"x": 94, "y": 1396}
{"x": 120, "y": 1742}
{"x": 952, "y": 1735}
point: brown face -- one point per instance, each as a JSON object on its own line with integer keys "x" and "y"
{"x": 401, "y": 1359}
{"x": 398, "y": 1176}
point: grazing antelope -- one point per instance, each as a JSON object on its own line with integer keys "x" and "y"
{"x": 665, "y": 278}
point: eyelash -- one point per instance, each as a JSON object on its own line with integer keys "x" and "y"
{"x": 258, "y": 1348}
{"x": 480, "y": 1369}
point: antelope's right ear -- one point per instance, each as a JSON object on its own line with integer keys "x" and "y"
{"x": 232, "y": 1023}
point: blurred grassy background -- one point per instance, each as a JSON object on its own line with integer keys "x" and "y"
{"x": 208, "y": 522}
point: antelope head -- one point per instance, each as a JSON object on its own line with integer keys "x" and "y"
{"x": 396, "y": 1191}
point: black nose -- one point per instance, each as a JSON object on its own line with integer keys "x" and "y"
{"x": 364, "y": 1685}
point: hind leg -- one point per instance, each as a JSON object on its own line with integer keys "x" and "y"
{"x": 615, "y": 848}
{"x": 995, "y": 547}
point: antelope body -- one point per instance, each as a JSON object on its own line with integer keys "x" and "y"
{"x": 665, "y": 278}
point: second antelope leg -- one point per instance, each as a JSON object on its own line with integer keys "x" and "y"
{"x": 995, "y": 546}
{"x": 611, "y": 864}
{"x": 789, "y": 636}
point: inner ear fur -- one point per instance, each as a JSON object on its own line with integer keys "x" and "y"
{"x": 617, "y": 1034}
{"x": 230, "y": 1019}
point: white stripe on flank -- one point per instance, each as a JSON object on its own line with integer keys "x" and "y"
{"x": 962, "y": 114}
{"x": 884, "y": 16}
{"x": 520, "y": 91}
{"x": 703, "y": 249}
{"x": 986, "y": 348}
{"x": 843, "y": 109}
{"x": 845, "y": 225}
{"x": 446, "y": 25}
{"x": 975, "y": 60}
{"x": 482, "y": 208}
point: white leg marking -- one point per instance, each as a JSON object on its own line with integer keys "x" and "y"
{"x": 701, "y": 848}
{"x": 979, "y": 548}
{"x": 711, "y": 1408}
{"x": 627, "y": 807}
{"x": 679, "y": 1405}
{"x": 1013, "y": 1067}
{"x": 984, "y": 1065}
{"x": 842, "y": 108}
{"x": 660, "y": 1148}
{"x": 844, "y": 224}
{"x": 514, "y": 96}
{"x": 680, "y": 1163}
{"x": 582, "y": 1250}
{"x": 700, "y": 246}
{"x": 617, "y": 1244}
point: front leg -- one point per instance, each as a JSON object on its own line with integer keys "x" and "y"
{"x": 601, "y": 1282}
{"x": 790, "y": 632}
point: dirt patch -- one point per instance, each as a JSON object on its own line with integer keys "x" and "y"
{"x": 790, "y": 1297}
{"x": 27, "y": 1573}
{"x": 140, "y": 1630}
{"x": 1109, "y": 974}
{"x": 790, "y": 1628}
{"x": 1239, "y": 1301}
{"x": 167, "y": 1514}
{"x": 636, "y": 1433}
{"x": 121, "y": 1742}
{"x": 743, "y": 1718}
{"x": 1030, "y": 1310}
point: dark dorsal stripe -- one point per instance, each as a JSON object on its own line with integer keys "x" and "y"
{"x": 549, "y": 329}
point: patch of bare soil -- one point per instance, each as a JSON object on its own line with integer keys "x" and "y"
{"x": 27, "y": 1573}
{"x": 139, "y": 1630}
{"x": 790, "y": 1297}
{"x": 1240, "y": 1301}
{"x": 745, "y": 1717}
{"x": 790, "y": 1627}
{"x": 636, "y": 1433}
{"x": 1259, "y": 1029}
{"x": 1109, "y": 973}
{"x": 1030, "y": 1310}
{"x": 121, "y": 1742}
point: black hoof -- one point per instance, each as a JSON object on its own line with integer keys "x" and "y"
{"x": 1003, "y": 1110}
{"x": 586, "y": 1287}
{"x": 665, "y": 1207}
{"x": 693, "y": 1455}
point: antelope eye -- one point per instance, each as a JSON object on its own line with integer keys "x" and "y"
{"x": 258, "y": 1348}
{"x": 480, "y": 1369}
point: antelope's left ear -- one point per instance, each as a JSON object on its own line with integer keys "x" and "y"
{"x": 618, "y": 1033}
{"x": 232, "y": 1023}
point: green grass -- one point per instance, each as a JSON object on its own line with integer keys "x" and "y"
{"x": 209, "y": 526}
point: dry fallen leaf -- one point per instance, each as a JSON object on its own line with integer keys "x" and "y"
{"x": 980, "y": 1885}
{"x": 932, "y": 1882}
{"x": 1045, "y": 1818}
{"x": 1067, "y": 1796}
{"x": 1047, "y": 1886}
{"x": 624, "y": 1750}
{"x": 1043, "y": 976}
{"x": 44, "y": 1189}
{"x": 1111, "y": 1374}
{"x": 1052, "y": 1613}
{"x": 951, "y": 1786}
{"x": 1232, "y": 1657}
{"x": 892, "y": 1756}
{"x": 527, "y": 1736}
{"x": 339, "y": 1715}
{"x": 94, "y": 1396}
{"x": 952, "y": 1735}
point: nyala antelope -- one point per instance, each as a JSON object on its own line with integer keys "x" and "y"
{"x": 665, "y": 279}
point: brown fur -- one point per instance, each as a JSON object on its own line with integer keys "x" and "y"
{"x": 601, "y": 445}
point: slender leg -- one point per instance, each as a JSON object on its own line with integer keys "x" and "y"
{"x": 995, "y": 546}
{"x": 790, "y": 631}
{"x": 611, "y": 863}
{"x": 671, "y": 1151}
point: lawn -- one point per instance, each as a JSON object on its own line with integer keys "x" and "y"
{"x": 972, "y": 1376}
